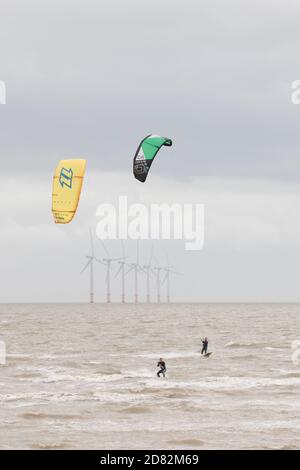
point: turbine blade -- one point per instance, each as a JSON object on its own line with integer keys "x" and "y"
{"x": 104, "y": 247}
{"x": 87, "y": 264}
{"x": 129, "y": 270}
{"x": 119, "y": 270}
{"x": 164, "y": 280}
{"x": 152, "y": 275}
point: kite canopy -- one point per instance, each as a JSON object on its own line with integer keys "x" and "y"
{"x": 67, "y": 184}
{"x": 146, "y": 153}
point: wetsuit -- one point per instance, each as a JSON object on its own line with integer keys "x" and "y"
{"x": 162, "y": 369}
{"x": 204, "y": 347}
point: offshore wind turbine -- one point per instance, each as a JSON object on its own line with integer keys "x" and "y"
{"x": 148, "y": 268}
{"x": 136, "y": 267}
{"x": 158, "y": 270}
{"x": 107, "y": 262}
{"x": 168, "y": 269}
{"x": 91, "y": 258}
{"x": 121, "y": 270}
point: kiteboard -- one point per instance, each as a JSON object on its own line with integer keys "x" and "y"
{"x": 207, "y": 354}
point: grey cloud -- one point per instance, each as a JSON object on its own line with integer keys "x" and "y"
{"x": 92, "y": 78}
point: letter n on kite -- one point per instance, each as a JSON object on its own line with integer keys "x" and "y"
{"x": 66, "y": 178}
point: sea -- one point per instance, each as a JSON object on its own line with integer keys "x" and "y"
{"x": 78, "y": 376}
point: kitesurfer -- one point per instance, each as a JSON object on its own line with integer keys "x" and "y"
{"x": 163, "y": 369}
{"x": 204, "y": 345}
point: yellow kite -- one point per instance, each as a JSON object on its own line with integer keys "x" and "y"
{"x": 67, "y": 184}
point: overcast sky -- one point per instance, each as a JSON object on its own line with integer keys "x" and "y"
{"x": 92, "y": 78}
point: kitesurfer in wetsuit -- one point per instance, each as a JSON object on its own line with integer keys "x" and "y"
{"x": 204, "y": 345}
{"x": 161, "y": 363}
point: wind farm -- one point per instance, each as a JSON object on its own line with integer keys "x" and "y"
{"x": 149, "y": 281}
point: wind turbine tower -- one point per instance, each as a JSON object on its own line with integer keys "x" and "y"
{"x": 148, "y": 268}
{"x": 168, "y": 270}
{"x": 107, "y": 262}
{"x": 136, "y": 267}
{"x": 158, "y": 270}
{"x": 121, "y": 270}
{"x": 91, "y": 258}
